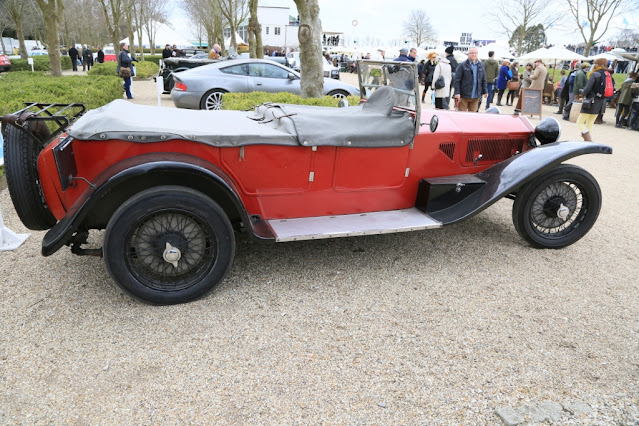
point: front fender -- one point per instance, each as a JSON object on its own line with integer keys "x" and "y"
{"x": 126, "y": 175}
{"x": 509, "y": 175}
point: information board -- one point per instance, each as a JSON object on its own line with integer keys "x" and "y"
{"x": 532, "y": 99}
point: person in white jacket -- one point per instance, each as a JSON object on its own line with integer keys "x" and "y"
{"x": 442, "y": 69}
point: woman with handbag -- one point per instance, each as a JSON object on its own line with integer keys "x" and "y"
{"x": 592, "y": 101}
{"x": 502, "y": 80}
{"x": 513, "y": 85}
{"x": 442, "y": 76}
{"x": 124, "y": 68}
{"x": 429, "y": 69}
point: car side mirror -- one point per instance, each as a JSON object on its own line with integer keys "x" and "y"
{"x": 291, "y": 76}
{"x": 434, "y": 122}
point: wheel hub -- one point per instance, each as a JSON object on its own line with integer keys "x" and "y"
{"x": 172, "y": 255}
{"x": 563, "y": 212}
{"x": 555, "y": 207}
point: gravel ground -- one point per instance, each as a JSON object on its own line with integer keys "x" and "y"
{"x": 436, "y": 327}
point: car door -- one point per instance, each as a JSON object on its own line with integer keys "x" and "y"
{"x": 236, "y": 79}
{"x": 265, "y": 77}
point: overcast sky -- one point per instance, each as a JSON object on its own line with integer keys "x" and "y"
{"x": 383, "y": 19}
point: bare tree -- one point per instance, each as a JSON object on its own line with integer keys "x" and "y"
{"x": 255, "y": 32}
{"x": 52, "y": 11}
{"x": 234, "y": 11}
{"x": 520, "y": 15}
{"x": 154, "y": 13}
{"x": 201, "y": 11}
{"x": 5, "y": 23}
{"x": 418, "y": 27}
{"x": 17, "y": 10}
{"x": 593, "y": 17}
{"x": 310, "y": 38}
{"x": 112, "y": 10}
{"x": 627, "y": 38}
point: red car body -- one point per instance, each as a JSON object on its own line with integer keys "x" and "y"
{"x": 5, "y": 63}
{"x": 171, "y": 195}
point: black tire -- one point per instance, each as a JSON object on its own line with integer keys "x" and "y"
{"x": 199, "y": 236}
{"x": 538, "y": 205}
{"x": 212, "y": 100}
{"x": 21, "y": 167}
{"x": 339, "y": 94}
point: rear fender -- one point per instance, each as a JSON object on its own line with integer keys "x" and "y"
{"x": 96, "y": 205}
{"x": 508, "y": 176}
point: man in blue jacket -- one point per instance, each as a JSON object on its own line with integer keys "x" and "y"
{"x": 470, "y": 82}
{"x": 403, "y": 55}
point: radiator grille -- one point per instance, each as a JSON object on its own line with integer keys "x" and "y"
{"x": 448, "y": 148}
{"x": 493, "y": 149}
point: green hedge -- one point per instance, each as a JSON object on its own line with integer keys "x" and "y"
{"x": 153, "y": 58}
{"x": 245, "y": 101}
{"x": 143, "y": 69}
{"x": 40, "y": 63}
{"x": 93, "y": 91}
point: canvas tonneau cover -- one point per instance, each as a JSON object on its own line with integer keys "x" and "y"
{"x": 275, "y": 124}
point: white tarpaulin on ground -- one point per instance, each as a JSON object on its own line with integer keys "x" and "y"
{"x": 163, "y": 36}
{"x": 9, "y": 240}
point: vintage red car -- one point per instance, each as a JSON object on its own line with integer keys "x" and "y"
{"x": 173, "y": 186}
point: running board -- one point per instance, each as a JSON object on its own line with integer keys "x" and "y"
{"x": 350, "y": 225}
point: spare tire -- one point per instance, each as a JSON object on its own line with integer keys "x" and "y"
{"x": 21, "y": 152}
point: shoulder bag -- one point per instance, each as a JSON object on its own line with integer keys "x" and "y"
{"x": 441, "y": 82}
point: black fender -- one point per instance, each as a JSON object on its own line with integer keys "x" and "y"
{"x": 95, "y": 206}
{"x": 506, "y": 177}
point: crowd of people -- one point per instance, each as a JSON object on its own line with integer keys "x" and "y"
{"x": 589, "y": 86}
{"x": 83, "y": 57}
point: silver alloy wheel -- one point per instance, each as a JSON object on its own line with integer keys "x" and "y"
{"x": 213, "y": 101}
{"x": 339, "y": 95}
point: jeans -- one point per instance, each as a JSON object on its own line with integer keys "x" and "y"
{"x": 127, "y": 87}
{"x": 491, "y": 87}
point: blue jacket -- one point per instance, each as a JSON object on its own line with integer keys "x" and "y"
{"x": 464, "y": 80}
{"x": 504, "y": 76}
{"x": 403, "y": 58}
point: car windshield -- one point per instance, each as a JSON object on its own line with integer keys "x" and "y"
{"x": 400, "y": 76}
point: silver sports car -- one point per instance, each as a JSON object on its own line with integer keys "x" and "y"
{"x": 203, "y": 87}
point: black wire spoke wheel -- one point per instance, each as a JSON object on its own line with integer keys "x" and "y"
{"x": 557, "y": 208}
{"x": 169, "y": 245}
{"x": 190, "y": 240}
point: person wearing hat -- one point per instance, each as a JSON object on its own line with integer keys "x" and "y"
{"x": 403, "y": 55}
{"x": 502, "y": 80}
{"x": 537, "y": 80}
{"x": 453, "y": 66}
{"x": 589, "y": 112}
{"x": 581, "y": 79}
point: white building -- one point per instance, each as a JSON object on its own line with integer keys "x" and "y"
{"x": 279, "y": 29}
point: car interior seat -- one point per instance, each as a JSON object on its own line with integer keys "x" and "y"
{"x": 381, "y": 101}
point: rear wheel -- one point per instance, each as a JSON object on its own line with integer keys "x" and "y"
{"x": 169, "y": 245}
{"x": 21, "y": 152}
{"x": 339, "y": 94}
{"x": 212, "y": 100}
{"x": 558, "y": 208}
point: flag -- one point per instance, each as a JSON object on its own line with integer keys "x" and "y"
{"x": 625, "y": 22}
{"x": 585, "y": 24}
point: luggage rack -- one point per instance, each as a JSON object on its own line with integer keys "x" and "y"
{"x": 34, "y": 111}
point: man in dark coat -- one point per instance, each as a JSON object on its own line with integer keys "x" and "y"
{"x": 403, "y": 55}
{"x": 100, "y": 57}
{"x": 449, "y": 55}
{"x": 87, "y": 58}
{"x": 166, "y": 53}
{"x": 470, "y": 82}
{"x": 73, "y": 54}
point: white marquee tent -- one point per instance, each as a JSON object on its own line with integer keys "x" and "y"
{"x": 163, "y": 35}
{"x": 501, "y": 51}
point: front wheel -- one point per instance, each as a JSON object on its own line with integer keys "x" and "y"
{"x": 169, "y": 245}
{"x": 558, "y": 208}
{"x": 212, "y": 100}
{"x": 338, "y": 94}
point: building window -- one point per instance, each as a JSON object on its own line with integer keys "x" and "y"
{"x": 277, "y": 30}
{"x": 266, "y": 30}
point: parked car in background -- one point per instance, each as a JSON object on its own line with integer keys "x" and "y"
{"x": 109, "y": 54}
{"x": 178, "y": 64}
{"x": 5, "y": 63}
{"x": 329, "y": 70}
{"x": 203, "y": 87}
